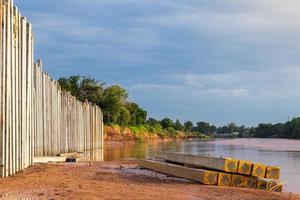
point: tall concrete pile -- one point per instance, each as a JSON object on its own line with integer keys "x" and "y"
{"x": 37, "y": 118}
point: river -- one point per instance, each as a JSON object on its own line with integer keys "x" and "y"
{"x": 279, "y": 152}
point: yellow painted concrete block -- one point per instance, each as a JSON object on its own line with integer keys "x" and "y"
{"x": 231, "y": 165}
{"x": 273, "y": 172}
{"x": 269, "y": 185}
{"x": 262, "y": 184}
{"x": 210, "y": 178}
{"x": 259, "y": 170}
{"x": 250, "y": 182}
{"x": 245, "y": 167}
{"x": 237, "y": 180}
{"x": 274, "y": 186}
{"x": 224, "y": 179}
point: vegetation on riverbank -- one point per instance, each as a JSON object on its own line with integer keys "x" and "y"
{"x": 118, "y": 111}
{"x": 145, "y": 133}
{"x": 290, "y": 129}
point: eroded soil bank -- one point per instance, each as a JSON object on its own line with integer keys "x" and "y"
{"x": 141, "y": 135}
{"x": 125, "y": 135}
{"x": 116, "y": 180}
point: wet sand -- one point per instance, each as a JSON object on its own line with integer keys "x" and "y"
{"x": 116, "y": 180}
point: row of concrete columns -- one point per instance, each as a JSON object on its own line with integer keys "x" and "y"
{"x": 36, "y": 118}
{"x": 63, "y": 124}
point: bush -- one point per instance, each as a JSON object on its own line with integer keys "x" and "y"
{"x": 150, "y": 128}
{"x": 138, "y": 129}
{"x": 171, "y": 132}
{"x": 160, "y": 131}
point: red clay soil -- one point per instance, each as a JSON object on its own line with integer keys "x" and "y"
{"x": 115, "y": 180}
{"x": 114, "y": 134}
{"x": 125, "y": 135}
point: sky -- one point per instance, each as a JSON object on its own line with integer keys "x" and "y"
{"x": 200, "y": 60}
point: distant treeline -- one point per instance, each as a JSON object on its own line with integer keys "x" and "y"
{"x": 117, "y": 109}
{"x": 290, "y": 129}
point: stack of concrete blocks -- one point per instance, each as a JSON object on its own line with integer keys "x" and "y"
{"x": 37, "y": 118}
{"x": 217, "y": 170}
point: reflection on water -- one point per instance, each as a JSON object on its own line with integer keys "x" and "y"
{"x": 269, "y": 151}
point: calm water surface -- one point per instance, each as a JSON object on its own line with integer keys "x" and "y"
{"x": 283, "y": 153}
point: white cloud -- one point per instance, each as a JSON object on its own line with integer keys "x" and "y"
{"x": 256, "y": 21}
{"x": 277, "y": 83}
{"x": 152, "y": 87}
{"x": 268, "y": 83}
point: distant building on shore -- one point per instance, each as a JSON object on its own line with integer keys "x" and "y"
{"x": 227, "y": 135}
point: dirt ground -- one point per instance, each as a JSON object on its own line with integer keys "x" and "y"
{"x": 115, "y": 180}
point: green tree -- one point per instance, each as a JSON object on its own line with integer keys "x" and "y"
{"x": 70, "y": 84}
{"x": 188, "y": 126}
{"x": 138, "y": 116}
{"x": 90, "y": 90}
{"x": 232, "y": 127}
{"x": 263, "y": 130}
{"x": 167, "y": 123}
{"x": 112, "y": 102}
{"x": 124, "y": 117}
{"x": 292, "y": 129}
{"x": 152, "y": 122}
{"x": 84, "y": 89}
{"x": 212, "y": 129}
{"x": 203, "y": 127}
{"x": 178, "y": 126}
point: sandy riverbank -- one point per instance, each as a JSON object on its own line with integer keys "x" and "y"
{"x": 115, "y": 180}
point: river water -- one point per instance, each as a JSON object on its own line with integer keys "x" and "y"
{"x": 279, "y": 152}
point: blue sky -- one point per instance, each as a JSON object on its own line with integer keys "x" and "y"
{"x": 204, "y": 60}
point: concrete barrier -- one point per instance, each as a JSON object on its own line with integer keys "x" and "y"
{"x": 259, "y": 170}
{"x": 250, "y": 182}
{"x": 273, "y": 172}
{"x": 245, "y": 167}
{"x": 209, "y": 177}
{"x": 203, "y": 176}
{"x": 203, "y": 161}
{"x": 224, "y": 179}
{"x": 237, "y": 180}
